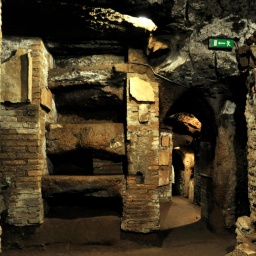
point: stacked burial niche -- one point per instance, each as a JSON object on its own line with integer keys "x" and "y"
{"x": 85, "y": 140}
{"x": 100, "y": 147}
{"x": 77, "y": 155}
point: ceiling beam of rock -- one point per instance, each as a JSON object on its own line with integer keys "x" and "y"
{"x": 82, "y": 47}
{"x": 100, "y": 76}
{"x": 88, "y": 87}
{"x": 89, "y": 61}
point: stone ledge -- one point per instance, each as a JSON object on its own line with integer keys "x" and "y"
{"x": 102, "y": 185}
{"x": 108, "y": 137}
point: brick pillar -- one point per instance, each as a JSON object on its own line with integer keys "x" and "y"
{"x": 22, "y": 146}
{"x": 141, "y": 200}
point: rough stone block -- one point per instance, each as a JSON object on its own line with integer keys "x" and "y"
{"x": 143, "y": 113}
{"x": 245, "y": 250}
{"x": 46, "y": 99}
{"x": 229, "y": 108}
{"x": 164, "y": 177}
{"x": 141, "y": 90}
{"x": 165, "y": 141}
{"x": 17, "y": 86}
{"x": 244, "y": 223}
{"x": 253, "y": 51}
{"x": 164, "y": 157}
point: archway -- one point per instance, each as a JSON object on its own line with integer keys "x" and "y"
{"x": 192, "y": 123}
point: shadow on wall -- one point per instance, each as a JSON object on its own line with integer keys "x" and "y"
{"x": 178, "y": 169}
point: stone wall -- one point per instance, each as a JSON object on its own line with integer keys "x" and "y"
{"x": 245, "y": 225}
{"x": 224, "y": 175}
{"x": 251, "y": 122}
{"x": 22, "y": 150}
{"x": 251, "y": 133}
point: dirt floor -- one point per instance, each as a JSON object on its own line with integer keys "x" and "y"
{"x": 182, "y": 233}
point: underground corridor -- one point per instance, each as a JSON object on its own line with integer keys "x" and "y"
{"x": 127, "y": 128}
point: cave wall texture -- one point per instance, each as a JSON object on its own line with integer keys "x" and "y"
{"x": 83, "y": 63}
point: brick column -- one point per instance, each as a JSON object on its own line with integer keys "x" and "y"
{"x": 22, "y": 150}
{"x": 141, "y": 200}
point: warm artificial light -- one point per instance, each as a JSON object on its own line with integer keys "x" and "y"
{"x": 141, "y": 22}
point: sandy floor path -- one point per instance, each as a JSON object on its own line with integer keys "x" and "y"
{"x": 183, "y": 233}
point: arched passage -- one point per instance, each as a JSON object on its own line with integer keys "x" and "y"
{"x": 192, "y": 122}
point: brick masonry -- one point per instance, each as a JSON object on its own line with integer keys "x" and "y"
{"x": 22, "y": 140}
{"x": 23, "y": 145}
{"x": 141, "y": 211}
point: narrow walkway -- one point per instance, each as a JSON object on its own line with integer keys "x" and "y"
{"x": 182, "y": 230}
{"x": 179, "y": 213}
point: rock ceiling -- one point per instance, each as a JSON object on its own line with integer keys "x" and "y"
{"x": 75, "y": 20}
{"x": 70, "y": 27}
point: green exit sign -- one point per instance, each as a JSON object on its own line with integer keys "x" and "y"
{"x": 221, "y": 43}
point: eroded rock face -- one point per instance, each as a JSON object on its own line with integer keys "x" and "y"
{"x": 185, "y": 122}
{"x": 89, "y": 61}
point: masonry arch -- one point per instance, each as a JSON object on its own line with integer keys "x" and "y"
{"x": 192, "y": 122}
